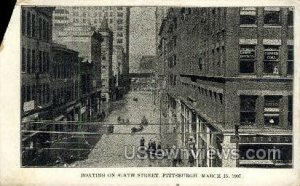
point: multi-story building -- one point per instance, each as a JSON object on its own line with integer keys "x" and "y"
{"x": 160, "y": 15}
{"x": 65, "y": 83}
{"x": 65, "y": 19}
{"x": 35, "y": 64}
{"x": 119, "y": 67}
{"x": 230, "y": 76}
{"x": 89, "y": 51}
{"x": 107, "y": 89}
{"x": 36, "y": 98}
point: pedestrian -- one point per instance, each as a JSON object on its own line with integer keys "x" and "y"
{"x": 175, "y": 158}
{"x": 191, "y": 160}
{"x": 159, "y": 150}
{"x": 159, "y": 146}
{"x": 154, "y": 147}
{"x": 142, "y": 142}
{"x": 149, "y": 146}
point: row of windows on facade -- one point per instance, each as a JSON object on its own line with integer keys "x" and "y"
{"x": 89, "y": 20}
{"x": 248, "y": 106}
{"x": 248, "y": 16}
{"x": 271, "y": 59}
{"x": 63, "y": 95}
{"x": 247, "y": 57}
{"x": 89, "y": 14}
{"x": 65, "y": 11}
{"x": 119, "y": 28}
{"x": 214, "y": 96}
{"x": 172, "y": 80}
{"x": 39, "y": 93}
{"x": 34, "y": 61}
{"x": 31, "y": 24}
{"x": 188, "y": 11}
{"x": 63, "y": 71}
{"x": 271, "y": 112}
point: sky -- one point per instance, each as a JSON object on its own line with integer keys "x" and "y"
{"x": 141, "y": 34}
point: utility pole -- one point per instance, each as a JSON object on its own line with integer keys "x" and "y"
{"x": 237, "y": 136}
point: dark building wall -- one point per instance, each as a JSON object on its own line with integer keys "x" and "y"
{"x": 96, "y": 40}
{"x": 36, "y": 41}
{"x": 64, "y": 78}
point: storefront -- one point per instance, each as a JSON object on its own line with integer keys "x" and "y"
{"x": 266, "y": 151}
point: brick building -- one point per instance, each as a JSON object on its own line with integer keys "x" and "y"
{"x": 65, "y": 83}
{"x": 67, "y": 19}
{"x": 230, "y": 72}
{"x": 36, "y": 42}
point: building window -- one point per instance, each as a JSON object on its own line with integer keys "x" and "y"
{"x": 28, "y": 24}
{"x": 271, "y": 17}
{"x": 120, "y": 14}
{"x": 120, "y": 21}
{"x": 247, "y": 110}
{"x": 33, "y": 25}
{"x": 174, "y": 41}
{"x": 247, "y": 58}
{"x": 290, "y": 18}
{"x": 174, "y": 60}
{"x": 120, "y": 28}
{"x": 40, "y": 62}
{"x": 47, "y": 60}
{"x": 44, "y": 30}
{"x": 120, "y": 34}
{"x": 221, "y": 98}
{"x": 28, "y": 93}
{"x": 271, "y": 110}
{"x": 40, "y": 28}
{"x": 28, "y": 61}
{"x": 200, "y": 63}
{"x": 290, "y": 110}
{"x": 47, "y": 31}
{"x": 247, "y": 16}
{"x": 23, "y": 60}
{"x": 290, "y": 65}
{"x": 120, "y": 41}
{"x": 271, "y": 60}
{"x": 23, "y": 21}
{"x": 33, "y": 61}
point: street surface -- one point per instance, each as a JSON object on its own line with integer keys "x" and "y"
{"x": 110, "y": 150}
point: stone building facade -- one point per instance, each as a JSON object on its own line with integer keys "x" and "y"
{"x": 230, "y": 74}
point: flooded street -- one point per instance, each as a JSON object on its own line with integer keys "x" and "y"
{"x": 110, "y": 150}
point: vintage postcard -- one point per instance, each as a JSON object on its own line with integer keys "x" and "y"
{"x": 150, "y": 93}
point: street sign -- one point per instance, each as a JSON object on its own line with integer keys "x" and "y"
{"x": 29, "y": 105}
{"x": 82, "y": 110}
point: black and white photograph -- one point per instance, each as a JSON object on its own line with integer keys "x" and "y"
{"x": 156, "y": 86}
{"x": 151, "y": 92}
